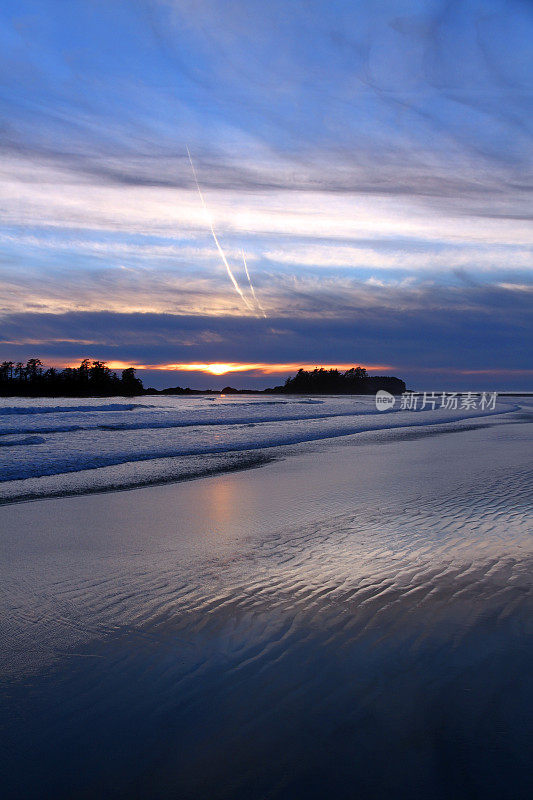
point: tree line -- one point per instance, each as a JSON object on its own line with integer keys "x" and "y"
{"x": 331, "y": 381}
{"x": 95, "y": 378}
{"x": 90, "y": 378}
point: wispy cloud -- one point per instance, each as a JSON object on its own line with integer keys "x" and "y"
{"x": 370, "y": 158}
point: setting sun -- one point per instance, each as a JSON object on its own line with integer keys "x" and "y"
{"x": 220, "y": 369}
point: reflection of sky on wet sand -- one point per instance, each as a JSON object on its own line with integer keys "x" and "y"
{"x": 355, "y": 614}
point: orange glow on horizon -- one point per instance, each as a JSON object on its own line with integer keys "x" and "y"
{"x": 218, "y": 368}
{"x": 223, "y": 368}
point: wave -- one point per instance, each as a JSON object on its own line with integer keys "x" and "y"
{"x": 197, "y": 423}
{"x": 309, "y": 402}
{"x": 187, "y": 423}
{"x": 152, "y": 472}
{"x": 76, "y": 461}
{"x": 22, "y": 410}
{"x": 94, "y": 409}
{"x": 50, "y": 429}
{"x": 23, "y": 442}
{"x": 227, "y": 422}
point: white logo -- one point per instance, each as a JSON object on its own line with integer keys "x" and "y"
{"x": 384, "y": 400}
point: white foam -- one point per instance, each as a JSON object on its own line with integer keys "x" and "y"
{"x": 122, "y": 436}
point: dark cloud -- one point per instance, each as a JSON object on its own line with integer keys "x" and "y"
{"x": 484, "y": 329}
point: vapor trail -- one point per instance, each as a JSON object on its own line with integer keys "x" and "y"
{"x": 219, "y": 248}
{"x": 259, "y": 306}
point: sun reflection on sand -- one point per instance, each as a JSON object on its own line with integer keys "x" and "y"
{"x": 222, "y": 500}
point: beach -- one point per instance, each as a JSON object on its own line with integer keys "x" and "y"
{"x": 349, "y": 618}
{"x": 266, "y": 402}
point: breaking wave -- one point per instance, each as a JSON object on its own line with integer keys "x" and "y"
{"x": 21, "y": 410}
{"x": 105, "y": 444}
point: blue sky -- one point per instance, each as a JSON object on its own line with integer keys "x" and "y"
{"x": 372, "y": 160}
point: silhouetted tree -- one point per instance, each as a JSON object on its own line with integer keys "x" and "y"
{"x": 330, "y": 381}
{"x": 34, "y": 368}
{"x": 130, "y": 383}
{"x": 84, "y": 369}
{"x": 98, "y": 372}
{"x": 90, "y": 378}
{"x": 6, "y": 370}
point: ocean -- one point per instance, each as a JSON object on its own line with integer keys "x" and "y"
{"x": 53, "y": 447}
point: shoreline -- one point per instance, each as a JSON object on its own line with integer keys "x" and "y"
{"x": 250, "y": 458}
{"x": 237, "y": 392}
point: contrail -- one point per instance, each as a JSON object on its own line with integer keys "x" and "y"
{"x": 219, "y": 248}
{"x": 259, "y": 306}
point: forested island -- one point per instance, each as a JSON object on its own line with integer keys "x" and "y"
{"x": 95, "y": 379}
{"x": 331, "y": 381}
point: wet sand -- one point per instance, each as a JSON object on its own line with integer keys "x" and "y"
{"x": 353, "y": 621}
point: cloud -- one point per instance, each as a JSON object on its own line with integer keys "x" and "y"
{"x": 391, "y": 115}
{"x": 403, "y": 257}
{"x": 371, "y": 158}
{"x": 474, "y": 328}
{"x": 46, "y": 200}
{"x": 198, "y": 288}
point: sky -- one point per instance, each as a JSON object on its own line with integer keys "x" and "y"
{"x": 369, "y": 164}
